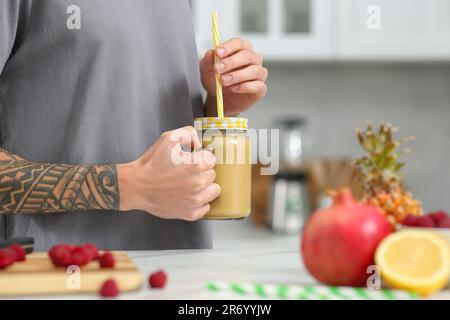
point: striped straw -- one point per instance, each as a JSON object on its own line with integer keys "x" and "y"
{"x": 216, "y": 40}
{"x": 272, "y": 291}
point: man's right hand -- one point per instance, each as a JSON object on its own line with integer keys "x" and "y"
{"x": 157, "y": 183}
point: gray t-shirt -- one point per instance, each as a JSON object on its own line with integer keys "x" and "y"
{"x": 91, "y": 82}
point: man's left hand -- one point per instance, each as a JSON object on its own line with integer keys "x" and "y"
{"x": 242, "y": 73}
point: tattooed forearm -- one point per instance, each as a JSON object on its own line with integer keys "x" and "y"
{"x": 30, "y": 187}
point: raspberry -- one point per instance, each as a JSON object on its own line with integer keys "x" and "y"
{"x": 157, "y": 279}
{"x": 63, "y": 255}
{"x": 7, "y": 258}
{"x": 445, "y": 223}
{"x": 18, "y": 251}
{"x": 438, "y": 216}
{"x": 107, "y": 260}
{"x": 109, "y": 289}
{"x": 410, "y": 221}
{"x": 80, "y": 256}
{"x": 93, "y": 251}
{"x": 425, "y": 222}
{"x": 60, "y": 255}
{"x": 69, "y": 247}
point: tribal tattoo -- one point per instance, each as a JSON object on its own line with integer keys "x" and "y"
{"x": 30, "y": 187}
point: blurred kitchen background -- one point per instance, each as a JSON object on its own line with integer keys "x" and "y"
{"x": 335, "y": 64}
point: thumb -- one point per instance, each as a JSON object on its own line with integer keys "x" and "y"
{"x": 187, "y": 138}
{"x": 207, "y": 63}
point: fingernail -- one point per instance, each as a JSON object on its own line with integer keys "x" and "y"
{"x": 227, "y": 78}
{"x": 220, "y": 66}
{"x": 221, "y": 52}
{"x": 236, "y": 87}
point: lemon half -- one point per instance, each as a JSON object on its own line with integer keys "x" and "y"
{"x": 414, "y": 260}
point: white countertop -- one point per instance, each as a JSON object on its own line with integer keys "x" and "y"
{"x": 242, "y": 253}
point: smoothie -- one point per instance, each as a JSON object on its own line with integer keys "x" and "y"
{"x": 230, "y": 143}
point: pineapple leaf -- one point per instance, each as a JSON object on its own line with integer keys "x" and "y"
{"x": 398, "y": 166}
{"x": 380, "y": 167}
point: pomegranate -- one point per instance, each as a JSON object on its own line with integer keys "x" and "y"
{"x": 339, "y": 242}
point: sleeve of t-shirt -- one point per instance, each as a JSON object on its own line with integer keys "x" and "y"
{"x": 14, "y": 17}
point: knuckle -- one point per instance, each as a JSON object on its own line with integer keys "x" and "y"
{"x": 197, "y": 214}
{"x": 264, "y": 89}
{"x": 259, "y": 58}
{"x": 260, "y": 85}
{"x": 166, "y": 134}
{"x": 198, "y": 167}
{"x": 218, "y": 188}
{"x": 236, "y": 40}
{"x": 197, "y": 200}
{"x": 248, "y": 55}
{"x": 191, "y": 129}
{"x": 229, "y": 63}
{"x": 201, "y": 184}
{"x": 236, "y": 76}
{"x": 187, "y": 132}
{"x": 262, "y": 75}
{"x": 206, "y": 158}
{"x": 248, "y": 44}
{"x": 190, "y": 216}
{"x": 208, "y": 179}
{"x": 260, "y": 72}
{"x": 210, "y": 158}
{"x": 206, "y": 153}
{"x": 263, "y": 72}
{"x": 170, "y": 136}
{"x": 213, "y": 175}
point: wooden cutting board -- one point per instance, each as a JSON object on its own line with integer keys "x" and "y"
{"x": 37, "y": 275}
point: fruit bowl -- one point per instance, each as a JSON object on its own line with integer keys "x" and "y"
{"x": 443, "y": 232}
{"x": 436, "y": 222}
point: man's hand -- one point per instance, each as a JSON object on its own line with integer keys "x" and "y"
{"x": 242, "y": 73}
{"x": 158, "y": 185}
{"x": 166, "y": 181}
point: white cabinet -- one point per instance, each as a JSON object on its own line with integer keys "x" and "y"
{"x": 332, "y": 29}
{"x": 394, "y": 29}
{"x": 278, "y": 29}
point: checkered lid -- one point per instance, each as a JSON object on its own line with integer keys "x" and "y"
{"x": 220, "y": 123}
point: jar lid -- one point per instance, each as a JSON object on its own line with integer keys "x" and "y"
{"x": 220, "y": 123}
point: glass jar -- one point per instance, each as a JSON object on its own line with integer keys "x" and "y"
{"x": 227, "y": 139}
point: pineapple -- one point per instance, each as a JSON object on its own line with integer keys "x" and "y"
{"x": 380, "y": 173}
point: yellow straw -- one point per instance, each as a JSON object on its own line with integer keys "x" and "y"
{"x": 216, "y": 39}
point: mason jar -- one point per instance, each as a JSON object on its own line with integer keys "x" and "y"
{"x": 228, "y": 140}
